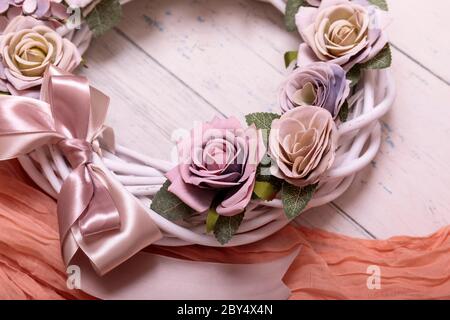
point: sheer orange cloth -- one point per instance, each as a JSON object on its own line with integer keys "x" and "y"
{"x": 329, "y": 266}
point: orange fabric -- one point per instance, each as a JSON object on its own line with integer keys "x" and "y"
{"x": 329, "y": 266}
{"x": 31, "y": 266}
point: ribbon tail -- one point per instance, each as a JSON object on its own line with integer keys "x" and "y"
{"x": 109, "y": 249}
{"x": 73, "y": 199}
{"x": 151, "y": 276}
{"x": 101, "y": 214}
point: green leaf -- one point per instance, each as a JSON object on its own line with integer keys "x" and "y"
{"x": 104, "y": 16}
{"x": 211, "y": 219}
{"x": 354, "y": 75}
{"x": 263, "y": 121}
{"x": 292, "y": 7}
{"x": 168, "y": 205}
{"x": 295, "y": 198}
{"x": 226, "y": 227}
{"x": 343, "y": 113}
{"x": 382, "y": 4}
{"x": 290, "y": 56}
{"x": 381, "y": 61}
{"x": 265, "y": 190}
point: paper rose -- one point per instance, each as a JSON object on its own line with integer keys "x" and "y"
{"x": 318, "y": 84}
{"x": 218, "y": 165}
{"x": 27, "y": 47}
{"x": 302, "y": 145}
{"x": 341, "y": 32}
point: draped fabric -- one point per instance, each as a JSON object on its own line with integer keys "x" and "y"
{"x": 329, "y": 266}
{"x": 31, "y": 266}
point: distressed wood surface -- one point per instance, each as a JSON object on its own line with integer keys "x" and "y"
{"x": 173, "y": 62}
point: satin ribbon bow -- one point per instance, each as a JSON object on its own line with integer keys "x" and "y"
{"x": 95, "y": 213}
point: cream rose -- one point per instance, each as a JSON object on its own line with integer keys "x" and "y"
{"x": 27, "y": 47}
{"x": 340, "y": 31}
{"x": 302, "y": 145}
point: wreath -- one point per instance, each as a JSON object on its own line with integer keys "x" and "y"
{"x": 232, "y": 183}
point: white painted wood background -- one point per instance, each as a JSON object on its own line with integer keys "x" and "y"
{"x": 172, "y": 62}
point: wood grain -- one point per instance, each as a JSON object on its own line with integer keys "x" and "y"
{"x": 172, "y": 62}
{"x": 419, "y": 29}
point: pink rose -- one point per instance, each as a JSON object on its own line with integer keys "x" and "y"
{"x": 27, "y": 48}
{"x": 302, "y": 145}
{"x": 218, "y": 166}
{"x": 341, "y": 32}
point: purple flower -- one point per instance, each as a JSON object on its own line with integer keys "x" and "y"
{"x": 217, "y": 166}
{"x": 318, "y": 84}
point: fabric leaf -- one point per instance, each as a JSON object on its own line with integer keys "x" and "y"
{"x": 382, "y": 4}
{"x": 168, "y": 205}
{"x": 226, "y": 227}
{"x": 292, "y": 7}
{"x": 381, "y": 61}
{"x": 295, "y": 198}
{"x": 289, "y": 57}
{"x": 104, "y": 16}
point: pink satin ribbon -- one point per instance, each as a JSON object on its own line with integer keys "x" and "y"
{"x": 170, "y": 278}
{"x": 96, "y": 214}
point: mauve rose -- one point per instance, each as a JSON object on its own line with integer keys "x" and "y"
{"x": 218, "y": 165}
{"x": 302, "y": 145}
{"x": 341, "y": 32}
{"x": 318, "y": 84}
{"x": 27, "y": 47}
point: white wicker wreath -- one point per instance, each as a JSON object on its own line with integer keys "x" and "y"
{"x": 143, "y": 176}
{"x": 358, "y": 141}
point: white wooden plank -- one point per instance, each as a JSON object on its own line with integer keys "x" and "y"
{"x": 405, "y": 191}
{"x": 420, "y": 29}
{"x": 147, "y": 103}
{"x": 231, "y": 52}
